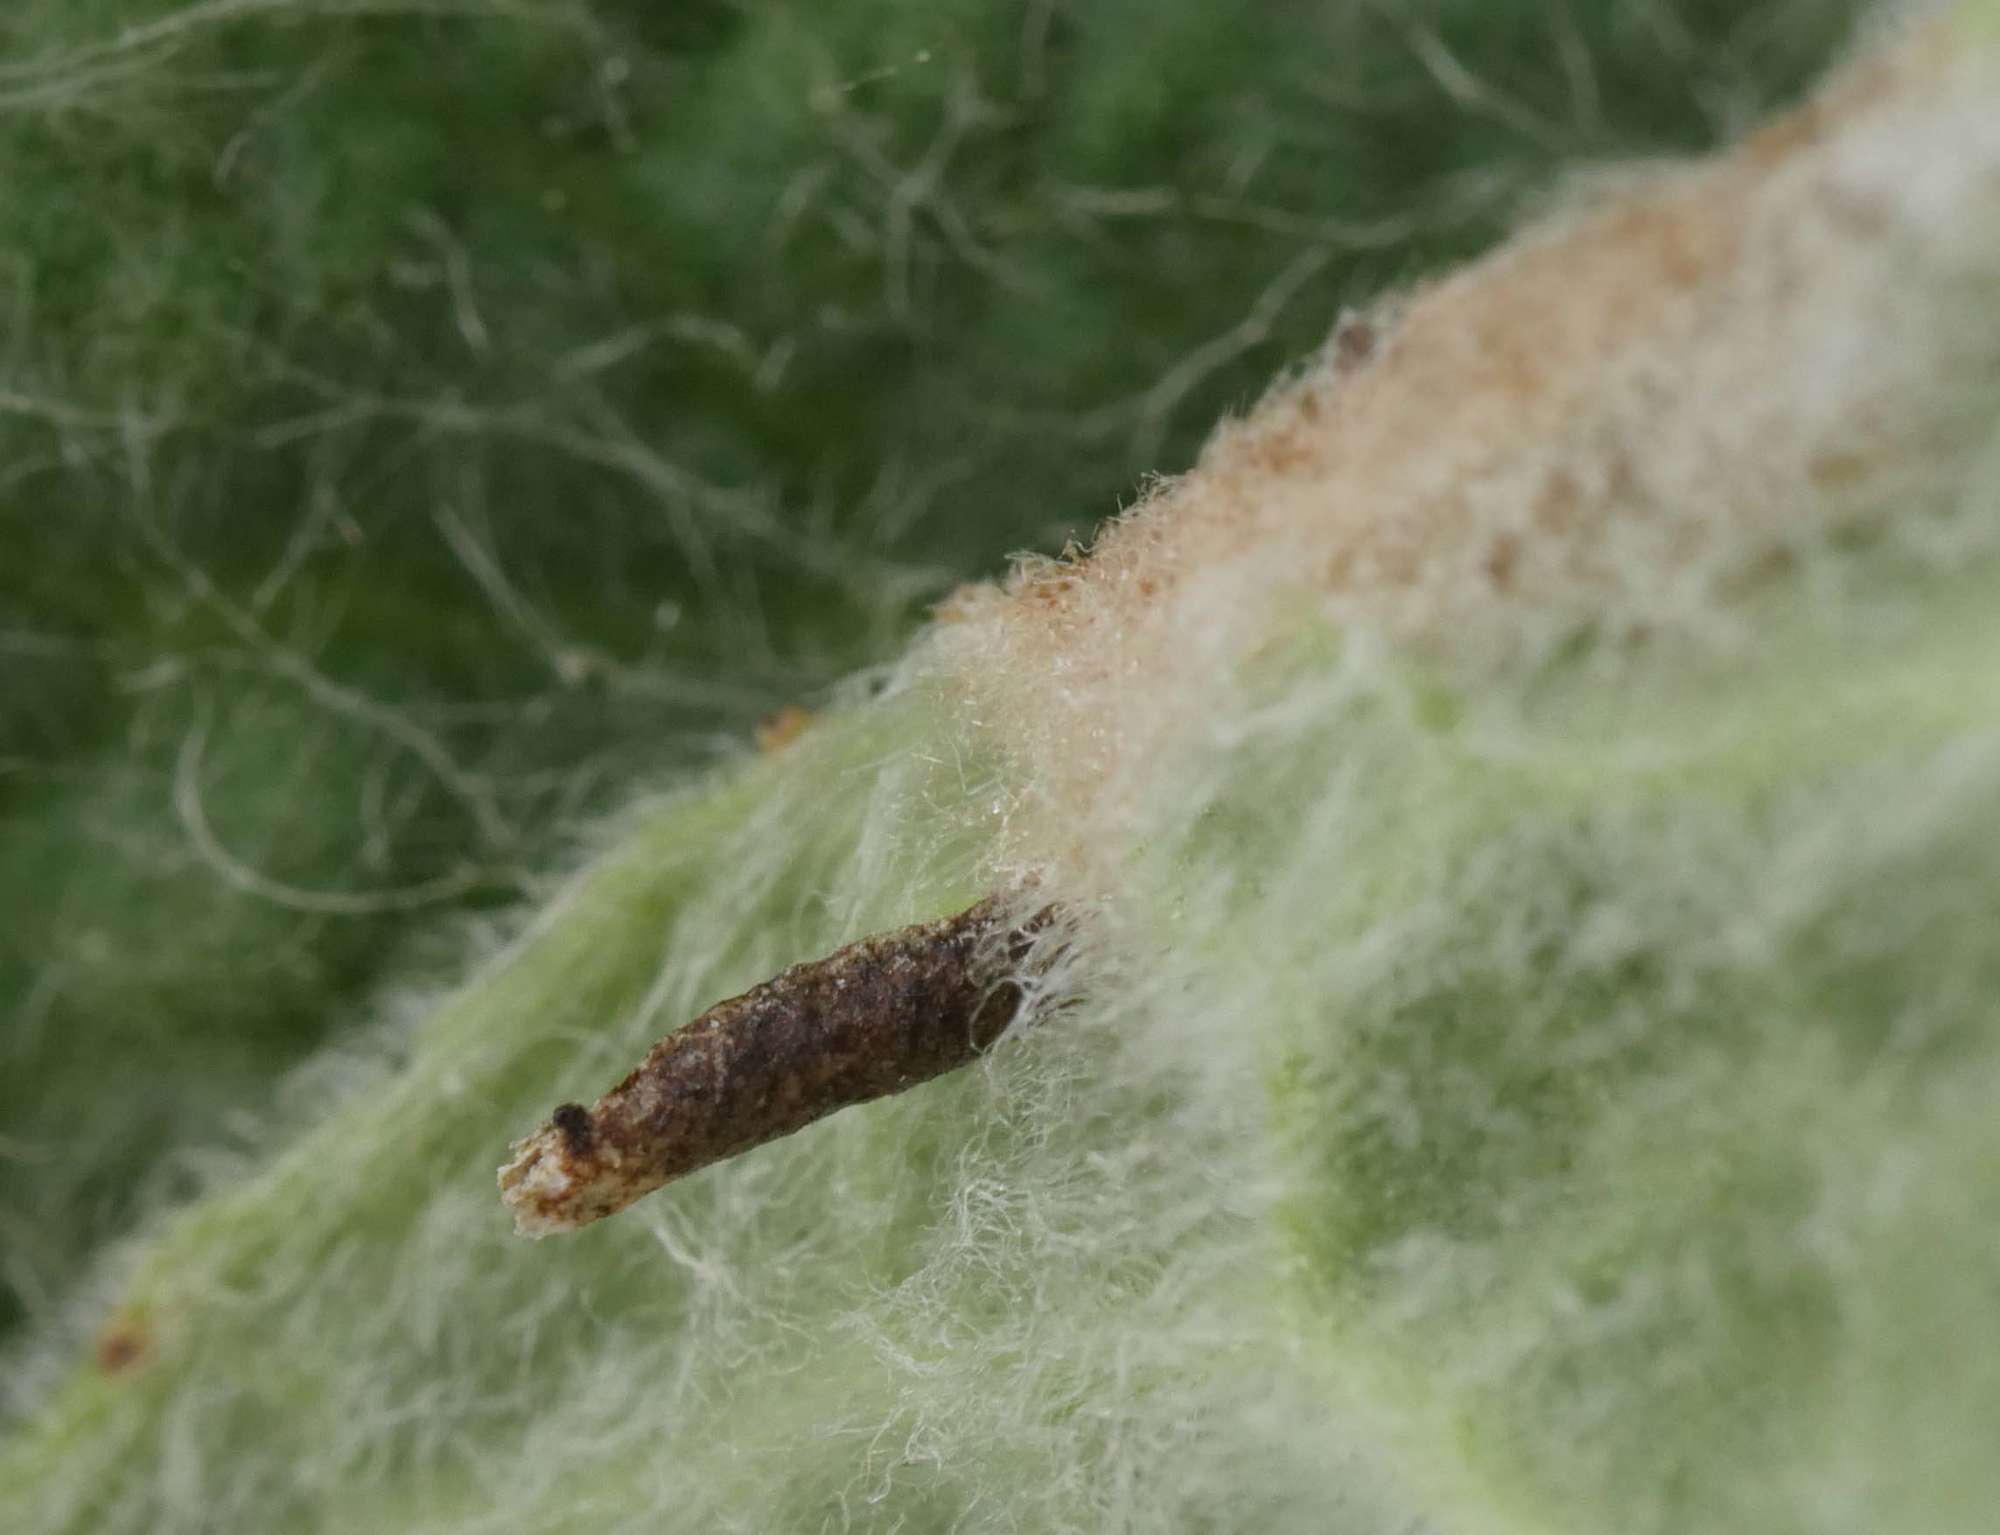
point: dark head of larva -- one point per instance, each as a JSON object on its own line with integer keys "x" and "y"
{"x": 573, "y": 1120}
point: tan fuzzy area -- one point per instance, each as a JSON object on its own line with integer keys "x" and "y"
{"x": 1614, "y": 421}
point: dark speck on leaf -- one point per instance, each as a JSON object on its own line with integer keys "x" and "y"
{"x": 573, "y": 1120}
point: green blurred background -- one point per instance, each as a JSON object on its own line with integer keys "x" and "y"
{"x": 424, "y": 425}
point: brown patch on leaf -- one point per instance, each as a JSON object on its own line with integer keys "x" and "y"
{"x": 1627, "y": 393}
{"x": 783, "y": 728}
{"x": 124, "y": 1344}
